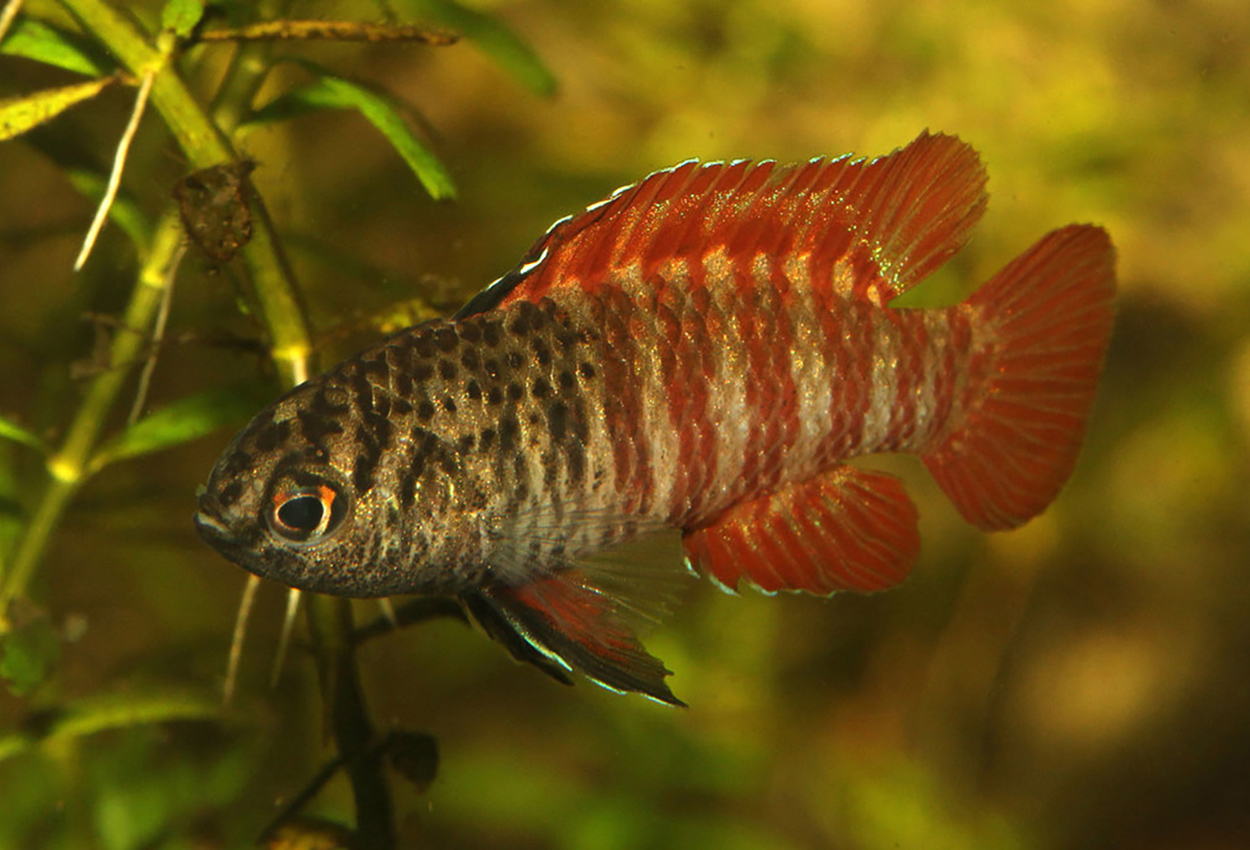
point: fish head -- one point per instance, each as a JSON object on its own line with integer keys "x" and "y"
{"x": 291, "y": 500}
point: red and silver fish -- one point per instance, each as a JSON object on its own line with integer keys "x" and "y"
{"x": 702, "y": 352}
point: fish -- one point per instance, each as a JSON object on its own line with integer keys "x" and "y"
{"x": 700, "y": 356}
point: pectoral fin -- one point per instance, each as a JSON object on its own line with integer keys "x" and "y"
{"x": 846, "y": 529}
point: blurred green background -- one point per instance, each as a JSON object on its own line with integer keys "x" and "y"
{"x": 1083, "y": 682}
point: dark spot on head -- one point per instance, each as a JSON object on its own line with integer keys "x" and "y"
{"x": 268, "y": 438}
{"x": 575, "y": 461}
{"x": 362, "y": 472}
{"x": 447, "y": 370}
{"x": 401, "y": 384}
{"x": 541, "y": 389}
{"x": 401, "y": 407}
{"x": 425, "y": 409}
{"x": 422, "y": 451}
{"x": 316, "y": 428}
{"x": 422, "y": 371}
{"x": 329, "y": 401}
{"x": 491, "y": 334}
{"x": 470, "y": 359}
{"x": 508, "y": 430}
{"x": 534, "y": 316}
{"x": 381, "y": 406}
{"x": 534, "y": 418}
{"x": 494, "y": 395}
{"x": 446, "y": 339}
{"x": 541, "y": 352}
{"x": 465, "y": 444}
{"x": 486, "y": 439}
{"x": 407, "y": 487}
{"x": 586, "y": 371}
{"x": 449, "y": 404}
{"x": 515, "y": 392}
{"x": 470, "y": 330}
{"x": 423, "y": 344}
{"x": 230, "y": 493}
{"x": 566, "y": 380}
{"x": 362, "y": 390}
{"x": 520, "y": 467}
{"x": 566, "y": 340}
{"x": 473, "y": 390}
{"x": 558, "y": 420}
{"x": 373, "y": 364}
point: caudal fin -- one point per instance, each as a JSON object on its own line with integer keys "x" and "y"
{"x": 1040, "y": 331}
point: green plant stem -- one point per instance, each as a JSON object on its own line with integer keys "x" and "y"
{"x": 330, "y": 622}
{"x": 68, "y": 466}
{"x": 205, "y": 145}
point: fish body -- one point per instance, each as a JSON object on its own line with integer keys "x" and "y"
{"x": 703, "y": 352}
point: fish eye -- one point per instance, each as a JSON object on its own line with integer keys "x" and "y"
{"x": 302, "y": 512}
{"x": 306, "y": 514}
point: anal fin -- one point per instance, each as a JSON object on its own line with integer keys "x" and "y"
{"x": 499, "y": 626}
{"x": 845, "y": 529}
{"x": 564, "y": 620}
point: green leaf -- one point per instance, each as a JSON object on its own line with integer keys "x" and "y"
{"x": 36, "y": 40}
{"x": 27, "y": 655}
{"x": 494, "y": 38}
{"x": 19, "y": 114}
{"x": 331, "y": 92}
{"x": 181, "y": 16}
{"x": 18, "y": 434}
{"x": 112, "y": 711}
{"x": 185, "y": 420}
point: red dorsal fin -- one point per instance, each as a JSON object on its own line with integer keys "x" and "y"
{"x": 847, "y": 529}
{"x": 567, "y": 618}
{"x": 1043, "y": 324}
{"x": 894, "y": 219}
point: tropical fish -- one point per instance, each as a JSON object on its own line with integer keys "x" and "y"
{"x": 702, "y": 353}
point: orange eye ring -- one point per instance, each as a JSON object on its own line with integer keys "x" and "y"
{"x": 305, "y": 514}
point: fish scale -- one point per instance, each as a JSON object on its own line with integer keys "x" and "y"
{"x": 702, "y": 352}
{"x": 695, "y": 465}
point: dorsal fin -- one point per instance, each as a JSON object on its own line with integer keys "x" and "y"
{"x": 902, "y": 214}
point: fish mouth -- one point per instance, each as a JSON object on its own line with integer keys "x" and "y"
{"x": 209, "y": 527}
{"x": 217, "y": 534}
{"x": 213, "y": 529}
{"x": 221, "y": 537}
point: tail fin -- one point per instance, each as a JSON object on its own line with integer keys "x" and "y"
{"x": 1040, "y": 330}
